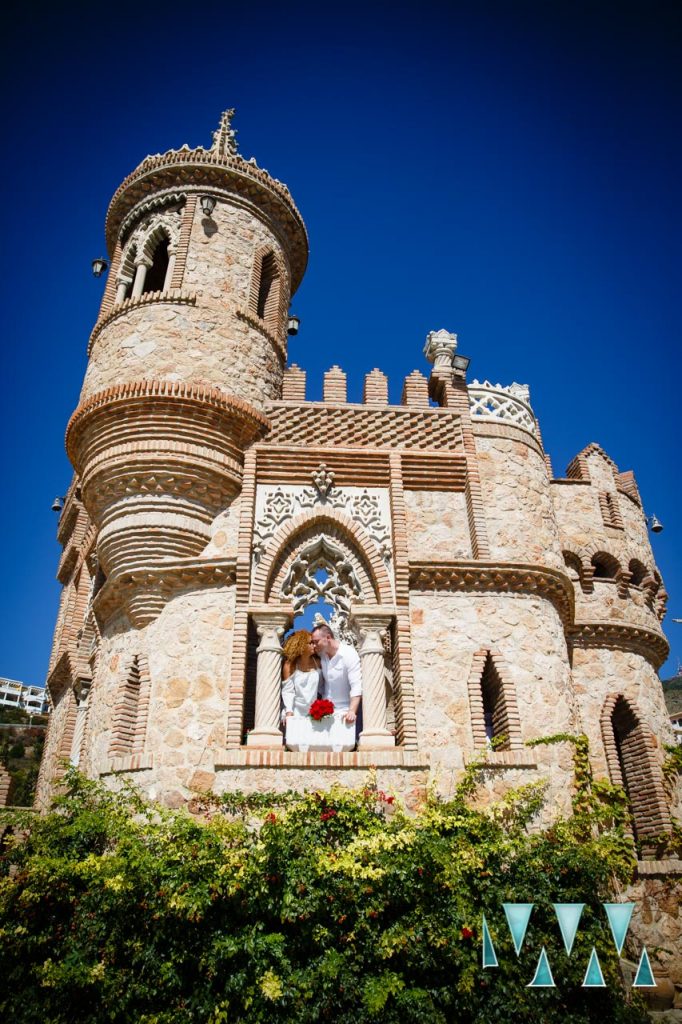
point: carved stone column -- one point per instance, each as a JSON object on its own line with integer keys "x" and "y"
{"x": 271, "y": 626}
{"x": 141, "y": 269}
{"x": 373, "y": 624}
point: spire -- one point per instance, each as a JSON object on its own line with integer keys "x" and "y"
{"x": 224, "y": 142}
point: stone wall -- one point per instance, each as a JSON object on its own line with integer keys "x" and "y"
{"x": 437, "y": 523}
{"x": 517, "y": 501}
{"x": 205, "y": 340}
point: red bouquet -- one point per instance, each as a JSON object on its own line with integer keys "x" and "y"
{"x": 320, "y": 709}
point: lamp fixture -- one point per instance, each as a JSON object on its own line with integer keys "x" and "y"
{"x": 99, "y": 266}
{"x": 461, "y": 363}
{"x": 207, "y": 205}
{"x": 654, "y": 524}
{"x": 57, "y": 504}
{"x": 293, "y": 325}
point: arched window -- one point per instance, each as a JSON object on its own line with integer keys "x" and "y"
{"x": 266, "y": 289}
{"x": 130, "y": 716}
{"x": 573, "y": 565}
{"x": 155, "y": 278}
{"x": 629, "y": 756}
{"x": 605, "y": 566}
{"x": 639, "y": 572}
{"x": 492, "y": 699}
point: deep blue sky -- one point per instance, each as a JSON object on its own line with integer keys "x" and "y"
{"x": 510, "y": 171}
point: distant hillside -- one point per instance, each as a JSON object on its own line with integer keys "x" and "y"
{"x": 672, "y": 691}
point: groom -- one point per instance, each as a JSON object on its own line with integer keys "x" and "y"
{"x": 341, "y": 671}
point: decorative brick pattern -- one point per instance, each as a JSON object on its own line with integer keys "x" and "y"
{"x": 132, "y": 708}
{"x": 492, "y": 700}
{"x": 375, "y": 390}
{"x": 431, "y": 472}
{"x": 293, "y": 384}
{"x": 650, "y": 644}
{"x": 182, "y": 250}
{"x": 416, "y": 391}
{"x": 235, "y": 709}
{"x": 359, "y": 426}
{"x": 109, "y": 296}
{"x": 630, "y": 755}
{"x": 269, "y": 292}
{"x": 401, "y": 647}
{"x": 352, "y": 467}
{"x": 334, "y": 386}
{"x": 610, "y": 512}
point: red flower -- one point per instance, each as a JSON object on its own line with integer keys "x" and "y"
{"x": 320, "y": 709}
{"x": 271, "y": 818}
{"x": 467, "y": 933}
{"x": 326, "y": 815}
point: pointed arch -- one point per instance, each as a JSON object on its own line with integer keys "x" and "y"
{"x": 492, "y": 702}
{"x": 268, "y": 294}
{"x": 339, "y": 528}
{"x": 131, "y": 711}
{"x": 629, "y": 746}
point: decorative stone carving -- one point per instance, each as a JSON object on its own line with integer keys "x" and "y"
{"x": 507, "y": 404}
{"x": 323, "y": 479}
{"x": 440, "y": 349}
{"x": 323, "y": 572}
{"x": 367, "y": 506}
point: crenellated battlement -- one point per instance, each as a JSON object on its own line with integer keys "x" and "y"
{"x": 509, "y": 404}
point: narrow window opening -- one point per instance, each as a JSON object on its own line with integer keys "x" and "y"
{"x": 494, "y": 707}
{"x": 156, "y": 275}
{"x": 268, "y": 291}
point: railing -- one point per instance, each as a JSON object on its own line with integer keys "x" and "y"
{"x": 504, "y": 404}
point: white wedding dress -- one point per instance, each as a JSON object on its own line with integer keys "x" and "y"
{"x": 299, "y": 691}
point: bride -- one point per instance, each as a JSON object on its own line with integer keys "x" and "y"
{"x": 301, "y": 677}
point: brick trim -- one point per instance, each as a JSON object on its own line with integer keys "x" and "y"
{"x": 186, "y": 224}
{"x": 630, "y": 756}
{"x": 497, "y": 577}
{"x": 129, "y": 727}
{"x": 237, "y": 681}
{"x": 650, "y": 644}
{"x": 403, "y": 668}
{"x": 110, "y": 289}
{"x": 491, "y": 689}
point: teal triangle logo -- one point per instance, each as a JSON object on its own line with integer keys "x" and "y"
{"x": 543, "y": 973}
{"x": 489, "y": 954}
{"x": 619, "y": 915}
{"x": 568, "y": 915}
{"x": 593, "y": 975}
{"x": 645, "y": 976}
{"x": 518, "y": 916}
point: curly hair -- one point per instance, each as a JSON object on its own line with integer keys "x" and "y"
{"x": 296, "y": 645}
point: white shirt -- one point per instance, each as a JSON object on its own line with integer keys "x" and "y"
{"x": 342, "y": 676}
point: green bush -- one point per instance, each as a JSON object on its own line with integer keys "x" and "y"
{"x": 300, "y": 908}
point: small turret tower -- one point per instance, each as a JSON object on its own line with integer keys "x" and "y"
{"x": 206, "y": 249}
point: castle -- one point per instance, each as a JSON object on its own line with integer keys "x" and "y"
{"x": 212, "y": 503}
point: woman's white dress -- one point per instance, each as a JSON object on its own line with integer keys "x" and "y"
{"x": 299, "y": 691}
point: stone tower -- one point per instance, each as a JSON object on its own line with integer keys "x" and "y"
{"x": 212, "y": 503}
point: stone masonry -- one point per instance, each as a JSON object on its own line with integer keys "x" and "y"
{"x": 495, "y": 600}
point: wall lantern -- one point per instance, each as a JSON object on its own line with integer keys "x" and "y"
{"x": 293, "y": 325}
{"x": 654, "y": 524}
{"x": 99, "y": 266}
{"x": 207, "y": 205}
{"x": 461, "y": 363}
